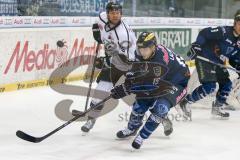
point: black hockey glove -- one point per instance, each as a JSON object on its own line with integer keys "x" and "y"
{"x": 119, "y": 91}
{"x": 102, "y": 62}
{"x": 96, "y": 33}
{"x": 194, "y": 51}
{"x": 235, "y": 64}
{"x": 130, "y": 78}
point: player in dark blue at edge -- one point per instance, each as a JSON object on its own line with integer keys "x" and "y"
{"x": 218, "y": 45}
{"x": 171, "y": 78}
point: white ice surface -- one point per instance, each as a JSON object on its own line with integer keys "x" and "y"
{"x": 32, "y": 111}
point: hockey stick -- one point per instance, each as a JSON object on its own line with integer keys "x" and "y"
{"x": 218, "y": 64}
{"x": 30, "y": 138}
{"x": 61, "y": 44}
{"x": 91, "y": 78}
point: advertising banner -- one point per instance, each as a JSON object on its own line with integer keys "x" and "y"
{"x": 32, "y": 54}
{"x": 177, "y": 39}
{"x": 8, "y": 7}
{"x": 83, "y": 7}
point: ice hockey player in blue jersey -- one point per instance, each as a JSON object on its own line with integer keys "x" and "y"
{"x": 159, "y": 83}
{"x": 218, "y": 45}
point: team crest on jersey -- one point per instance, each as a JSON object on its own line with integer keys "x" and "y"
{"x": 157, "y": 71}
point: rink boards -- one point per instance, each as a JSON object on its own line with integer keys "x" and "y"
{"x": 29, "y": 55}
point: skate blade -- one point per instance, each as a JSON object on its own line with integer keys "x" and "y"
{"x": 230, "y": 108}
{"x": 168, "y": 134}
{"x": 186, "y": 118}
{"x": 124, "y": 139}
{"x": 85, "y": 133}
{"x": 133, "y": 150}
{"x": 216, "y": 117}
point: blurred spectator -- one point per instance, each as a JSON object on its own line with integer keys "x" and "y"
{"x": 28, "y": 7}
{"x": 22, "y": 7}
{"x": 171, "y": 6}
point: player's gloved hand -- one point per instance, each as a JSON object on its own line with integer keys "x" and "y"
{"x": 102, "y": 62}
{"x": 96, "y": 33}
{"x": 194, "y": 51}
{"x": 99, "y": 62}
{"x": 119, "y": 91}
{"x": 130, "y": 77}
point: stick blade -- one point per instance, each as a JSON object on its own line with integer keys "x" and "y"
{"x": 27, "y": 137}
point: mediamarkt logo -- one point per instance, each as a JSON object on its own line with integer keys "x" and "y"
{"x": 27, "y": 60}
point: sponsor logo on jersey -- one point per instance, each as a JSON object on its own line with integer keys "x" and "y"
{"x": 180, "y": 97}
{"x": 229, "y": 41}
{"x": 214, "y": 30}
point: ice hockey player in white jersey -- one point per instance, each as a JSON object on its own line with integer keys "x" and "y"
{"x": 119, "y": 43}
